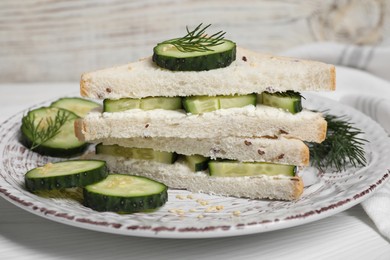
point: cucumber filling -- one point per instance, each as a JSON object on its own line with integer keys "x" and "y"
{"x": 149, "y": 103}
{"x": 289, "y": 101}
{"x": 237, "y": 169}
{"x": 136, "y": 153}
{"x": 197, "y": 162}
{"x": 216, "y": 168}
{"x": 202, "y": 104}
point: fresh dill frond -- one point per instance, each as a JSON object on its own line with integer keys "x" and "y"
{"x": 343, "y": 146}
{"x": 45, "y": 129}
{"x": 197, "y": 40}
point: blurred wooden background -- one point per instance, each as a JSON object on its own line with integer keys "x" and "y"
{"x": 57, "y": 40}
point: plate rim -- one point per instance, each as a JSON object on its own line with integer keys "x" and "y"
{"x": 193, "y": 232}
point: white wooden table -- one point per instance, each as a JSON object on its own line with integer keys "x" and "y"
{"x": 347, "y": 235}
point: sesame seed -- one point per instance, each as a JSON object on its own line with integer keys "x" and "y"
{"x": 211, "y": 209}
{"x": 236, "y": 213}
{"x": 180, "y": 197}
{"x": 180, "y": 211}
{"x": 219, "y": 207}
{"x": 202, "y": 202}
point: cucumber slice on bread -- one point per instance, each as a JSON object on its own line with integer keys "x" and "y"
{"x": 167, "y": 55}
{"x": 136, "y": 153}
{"x": 197, "y": 162}
{"x": 226, "y": 168}
{"x": 202, "y": 104}
{"x": 67, "y": 174}
{"x": 289, "y": 100}
{"x": 125, "y": 194}
{"x": 149, "y": 103}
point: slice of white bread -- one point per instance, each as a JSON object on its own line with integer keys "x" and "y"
{"x": 179, "y": 176}
{"x": 251, "y": 73}
{"x": 280, "y": 150}
{"x": 249, "y": 121}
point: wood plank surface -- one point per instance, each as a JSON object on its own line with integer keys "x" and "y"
{"x": 45, "y": 40}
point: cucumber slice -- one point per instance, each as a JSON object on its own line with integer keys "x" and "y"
{"x": 110, "y": 105}
{"x": 289, "y": 100}
{"x": 167, "y": 56}
{"x": 42, "y": 121}
{"x": 125, "y": 194}
{"x": 79, "y": 106}
{"x": 202, "y": 104}
{"x": 236, "y": 169}
{"x": 168, "y": 103}
{"x": 197, "y": 162}
{"x": 68, "y": 174}
{"x": 136, "y": 153}
{"x": 149, "y": 103}
{"x": 237, "y": 101}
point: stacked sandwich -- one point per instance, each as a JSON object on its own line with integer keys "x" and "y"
{"x": 204, "y": 115}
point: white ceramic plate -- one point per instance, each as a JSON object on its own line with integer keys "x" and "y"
{"x": 328, "y": 194}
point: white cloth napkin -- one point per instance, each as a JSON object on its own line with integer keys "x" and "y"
{"x": 376, "y": 61}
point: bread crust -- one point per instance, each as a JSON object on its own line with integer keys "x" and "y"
{"x": 306, "y": 156}
{"x": 299, "y": 186}
{"x": 332, "y": 78}
{"x": 78, "y": 129}
{"x": 84, "y": 85}
{"x": 323, "y": 126}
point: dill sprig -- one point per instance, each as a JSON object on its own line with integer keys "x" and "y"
{"x": 342, "y": 146}
{"x": 46, "y": 128}
{"x": 197, "y": 40}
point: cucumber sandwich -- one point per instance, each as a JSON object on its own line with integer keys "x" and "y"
{"x": 206, "y": 115}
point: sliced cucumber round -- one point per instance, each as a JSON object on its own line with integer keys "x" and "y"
{"x": 68, "y": 174}
{"x": 167, "y": 56}
{"x": 125, "y": 194}
{"x": 149, "y": 103}
{"x": 50, "y": 131}
{"x": 202, "y": 104}
{"x": 136, "y": 153}
{"x": 79, "y": 106}
{"x": 228, "y": 168}
{"x": 289, "y": 100}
